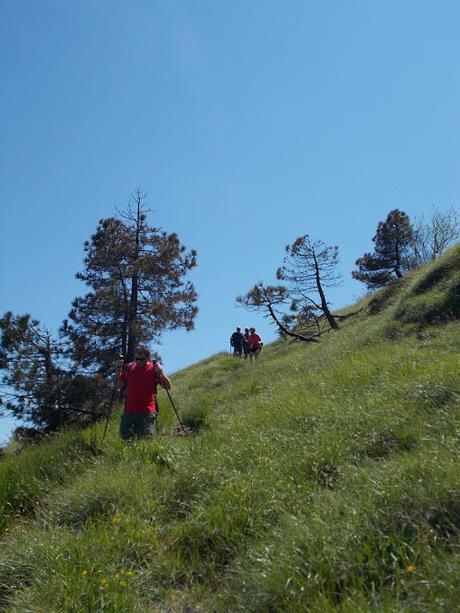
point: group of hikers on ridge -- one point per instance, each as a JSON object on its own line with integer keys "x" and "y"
{"x": 248, "y": 343}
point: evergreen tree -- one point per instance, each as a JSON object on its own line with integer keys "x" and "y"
{"x": 309, "y": 268}
{"x": 391, "y": 257}
{"x": 28, "y": 369}
{"x": 270, "y": 301}
{"x": 136, "y": 275}
{"x": 38, "y": 384}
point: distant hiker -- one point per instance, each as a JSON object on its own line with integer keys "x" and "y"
{"x": 255, "y": 344}
{"x": 140, "y": 379}
{"x": 236, "y": 341}
{"x": 246, "y": 345}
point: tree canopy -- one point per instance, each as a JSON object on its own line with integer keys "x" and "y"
{"x": 136, "y": 273}
{"x": 309, "y": 267}
{"x": 391, "y": 258}
{"x": 136, "y": 276}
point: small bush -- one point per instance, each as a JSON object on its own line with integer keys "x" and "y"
{"x": 195, "y": 417}
{"x": 383, "y": 445}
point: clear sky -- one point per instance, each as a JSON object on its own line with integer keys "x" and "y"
{"x": 247, "y": 122}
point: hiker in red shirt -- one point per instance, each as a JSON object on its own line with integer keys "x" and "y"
{"x": 140, "y": 380}
{"x": 255, "y": 344}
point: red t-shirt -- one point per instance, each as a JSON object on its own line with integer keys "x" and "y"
{"x": 141, "y": 389}
{"x": 254, "y": 340}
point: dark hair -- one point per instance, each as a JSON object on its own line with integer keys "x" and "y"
{"x": 143, "y": 349}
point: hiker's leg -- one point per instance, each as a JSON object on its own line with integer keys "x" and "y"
{"x": 127, "y": 427}
{"x": 146, "y": 425}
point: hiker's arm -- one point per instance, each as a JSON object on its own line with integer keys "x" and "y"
{"x": 163, "y": 380}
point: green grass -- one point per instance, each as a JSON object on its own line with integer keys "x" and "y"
{"x": 323, "y": 477}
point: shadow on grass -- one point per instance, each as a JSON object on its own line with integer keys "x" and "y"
{"x": 433, "y": 277}
{"x": 382, "y": 299}
{"x": 385, "y": 444}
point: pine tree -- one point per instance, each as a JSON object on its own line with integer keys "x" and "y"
{"x": 136, "y": 275}
{"x": 28, "y": 369}
{"x": 391, "y": 256}
{"x": 39, "y": 384}
{"x": 270, "y": 301}
{"x": 310, "y": 266}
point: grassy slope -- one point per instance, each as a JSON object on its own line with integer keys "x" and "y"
{"x": 325, "y": 477}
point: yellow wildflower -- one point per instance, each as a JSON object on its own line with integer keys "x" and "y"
{"x": 84, "y": 573}
{"x": 410, "y": 568}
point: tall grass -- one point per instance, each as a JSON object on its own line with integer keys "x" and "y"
{"x": 321, "y": 478}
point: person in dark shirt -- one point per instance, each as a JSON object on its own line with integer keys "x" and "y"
{"x": 236, "y": 341}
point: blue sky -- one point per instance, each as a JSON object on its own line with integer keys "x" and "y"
{"x": 248, "y": 123}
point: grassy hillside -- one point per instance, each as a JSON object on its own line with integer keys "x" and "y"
{"x": 325, "y": 477}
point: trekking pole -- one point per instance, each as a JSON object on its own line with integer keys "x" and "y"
{"x": 175, "y": 411}
{"x": 112, "y": 400}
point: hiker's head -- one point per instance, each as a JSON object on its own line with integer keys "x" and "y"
{"x": 252, "y": 330}
{"x": 246, "y": 329}
{"x": 142, "y": 355}
{"x": 238, "y": 329}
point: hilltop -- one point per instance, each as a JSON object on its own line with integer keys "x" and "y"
{"x": 324, "y": 477}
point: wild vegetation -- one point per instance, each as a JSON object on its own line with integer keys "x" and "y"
{"x": 310, "y": 268}
{"x": 137, "y": 273}
{"x": 325, "y": 477}
{"x": 136, "y": 276}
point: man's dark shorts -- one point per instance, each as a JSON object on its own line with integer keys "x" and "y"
{"x": 137, "y": 425}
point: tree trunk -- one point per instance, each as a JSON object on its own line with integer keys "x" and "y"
{"x": 51, "y": 406}
{"x": 300, "y": 337}
{"x": 132, "y": 320}
{"x": 324, "y": 307}
{"x": 124, "y": 338}
{"x": 133, "y": 304}
{"x": 398, "y": 252}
